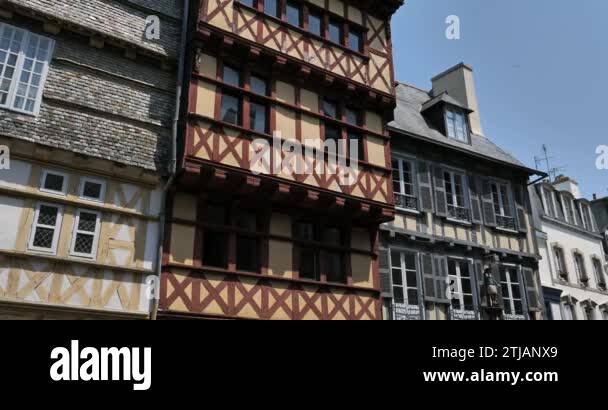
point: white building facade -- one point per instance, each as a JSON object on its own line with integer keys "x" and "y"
{"x": 573, "y": 265}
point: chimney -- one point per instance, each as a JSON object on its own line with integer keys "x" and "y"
{"x": 594, "y": 196}
{"x": 458, "y": 82}
{"x": 564, "y": 183}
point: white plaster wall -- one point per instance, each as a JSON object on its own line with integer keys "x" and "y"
{"x": 570, "y": 239}
{"x": 17, "y": 176}
{"x": 10, "y": 214}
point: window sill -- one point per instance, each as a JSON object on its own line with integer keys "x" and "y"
{"x": 408, "y": 211}
{"x": 459, "y": 221}
{"x": 507, "y": 230}
{"x": 21, "y": 112}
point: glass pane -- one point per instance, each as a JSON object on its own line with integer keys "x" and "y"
{"x": 412, "y": 297}
{"x": 53, "y": 182}
{"x": 259, "y": 85}
{"x": 87, "y": 222}
{"x": 246, "y": 220}
{"x": 271, "y": 7}
{"x": 215, "y": 247}
{"x": 83, "y": 243}
{"x": 257, "y": 116}
{"x": 411, "y": 279}
{"x": 47, "y": 215}
{"x": 330, "y": 109}
{"x": 398, "y": 294}
{"x": 309, "y": 264}
{"x": 332, "y": 236}
{"x": 397, "y": 277}
{"x": 305, "y": 231}
{"x": 352, "y": 117}
{"x": 293, "y": 13}
{"x": 247, "y": 254}
{"x": 231, "y": 76}
{"x": 355, "y": 40}
{"x": 230, "y": 112}
{"x": 335, "y": 32}
{"x": 410, "y": 261}
{"x": 43, "y": 238}
{"x": 334, "y": 269}
{"x": 215, "y": 214}
{"x": 91, "y": 190}
{"x": 315, "y": 23}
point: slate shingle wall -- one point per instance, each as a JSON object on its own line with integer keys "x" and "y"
{"x": 97, "y": 101}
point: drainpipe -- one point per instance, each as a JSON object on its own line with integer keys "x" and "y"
{"x": 173, "y": 160}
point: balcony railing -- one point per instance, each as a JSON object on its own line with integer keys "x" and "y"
{"x": 506, "y": 222}
{"x": 406, "y": 201}
{"x": 400, "y": 311}
{"x": 459, "y": 212}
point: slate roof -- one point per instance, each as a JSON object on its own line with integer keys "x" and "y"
{"x": 409, "y": 120}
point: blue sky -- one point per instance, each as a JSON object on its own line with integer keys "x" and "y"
{"x": 540, "y": 66}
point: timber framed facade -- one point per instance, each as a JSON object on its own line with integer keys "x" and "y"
{"x": 86, "y": 108}
{"x": 255, "y": 244}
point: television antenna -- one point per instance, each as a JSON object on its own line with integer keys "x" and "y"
{"x": 546, "y": 159}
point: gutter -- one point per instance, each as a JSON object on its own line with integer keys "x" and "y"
{"x": 173, "y": 160}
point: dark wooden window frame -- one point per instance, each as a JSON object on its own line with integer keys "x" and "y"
{"x": 305, "y": 7}
{"x": 321, "y": 248}
{"x": 345, "y": 128}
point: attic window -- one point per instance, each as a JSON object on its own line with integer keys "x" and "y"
{"x": 456, "y": 125}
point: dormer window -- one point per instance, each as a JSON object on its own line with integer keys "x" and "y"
{"x": 456, "y": 125}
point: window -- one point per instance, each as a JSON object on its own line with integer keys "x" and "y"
{"x": 599, "y": 274}
{"x": 92, "y": 189}
{"x": 404, "y": 187}
{"x": 271, "y": 7}
{"x": 502, "y": 206}
{"x": 352, "y": 117}
{"x": 259, "y": 85}
{"x": 45, "y": 230}
{"x": 405, "y": 280}
{"x": 332, "y": 134}
{"x": 320, "y": 257}
{"x": 568, "y": 311}
{"x": 560, "y": 263}
{"x": 456, "y": 125}
{"x": 24, "y": 63}
{"x": 231, "y": 76}
{"x": 250, "y": 3}
{"x": 335, "y": 31}
{"x": 462, "y": 305}
{"x": 294, "y": 13}
{"x": 589, "y": 311}
{"x": 579, "y": 265}
{"x": 54, "y": 182}
{"x": 330, "y": 109}
{"x": 247, "y": 243}
{"x": 548, "y": 202}
{"x": 455, "y": 189}
{"x": 355, "y": 40}
{"x": 215, "y": 238}
{"x": 86, "y": 234}
{"x": 586, "y": 217}
{"x": 511, "y": 291}
{"x": 257, "y": 117}
{"x": 568, "y": 205}
{"x": 315, "y": 23}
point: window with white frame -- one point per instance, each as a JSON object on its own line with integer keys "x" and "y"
{"x": 501, "y": 195}
{"x": 456, "y": 125}
{"x": 462, "y": 303}
{"x": 54, "y": 182}
{"x": 86, "y": 234}
{"x": 548, "y": 202}
{"x": 589, "y": 311}
{"x": 511, "y": 291}
{"x": 404, "y": 185}
{"x": 45, "y": 229}
{"x": 586, "y": 217}
{"x": 454, "y": 189}
{"x": 24, "y": 63}
{"x": 579, "y": 266}
{"x": 92, "y": 189}
{"x": 405, "y": 278}
{"x": 560, "y": 262}
{"x": 599, "y": 272}
{"x": 569, "y": 207}
{"x": 568, "y": 311}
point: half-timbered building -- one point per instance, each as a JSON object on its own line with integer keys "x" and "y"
{"x": 462, "y": 246}
{"x": 244, "y": 241}
{"x": 86, "y": 109}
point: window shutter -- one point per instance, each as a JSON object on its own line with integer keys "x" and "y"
{"x": 531, "y": 289}
{"x": 441, "y": 275}
{"x": 441, "y": 202}
{"x": 520, "y": 208}
{"x": 475, "y": 201}
{"x": 385, "y": 273}
{"x": 488, "y": 203}
{"x": 481, "y": 289}
{"x": 425, "y": 202}
{"x": 426, "y": 265}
